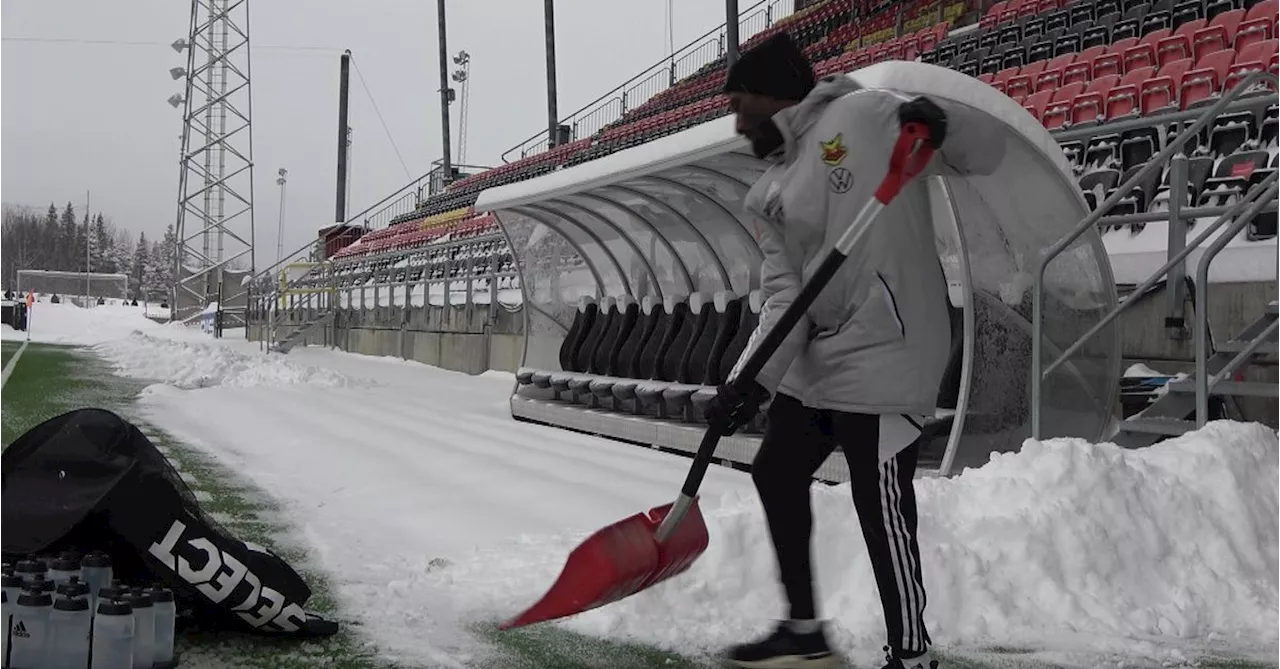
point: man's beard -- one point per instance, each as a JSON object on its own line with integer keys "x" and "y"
{"x": 765, "y": 139}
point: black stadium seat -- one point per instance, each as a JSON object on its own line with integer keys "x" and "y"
{"x": 605, "y": 359}
{"x": 583, "y": 319}
{"x": 675, "y": 313}
{"x": 703, "y": 356}
{"x": 674, "y": 366}
{"x": 651, "y": 318}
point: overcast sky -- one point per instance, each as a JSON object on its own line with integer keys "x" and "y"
{"x": 83, "y": 117}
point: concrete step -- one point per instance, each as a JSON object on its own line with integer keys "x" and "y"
{"x": 1172, "y": 427}
{"x": 1266, "y": 352}
{"x": 1232, "y": 388}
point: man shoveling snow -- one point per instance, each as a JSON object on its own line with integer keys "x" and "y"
{"x": 866, "y": 361}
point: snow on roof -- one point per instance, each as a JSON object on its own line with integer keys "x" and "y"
{"x": 701, "y": 141}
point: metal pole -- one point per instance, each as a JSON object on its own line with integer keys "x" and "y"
{"x": 1174, "y": 286}
{"x": 553, "y": 118}
{"x": 731, "y": 31}
{"x": 344, "y": 78}
{"x": 280, "y": 221}
{"x": 447, "y": 164}
{"x": 88, "y": 243}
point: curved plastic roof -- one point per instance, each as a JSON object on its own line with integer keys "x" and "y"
{"x": 665, "y": 219}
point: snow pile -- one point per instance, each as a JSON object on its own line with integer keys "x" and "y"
{"x": 1063, "y": 546}
{"x": 66, "y": 323}
{"x": 187, "y": 365}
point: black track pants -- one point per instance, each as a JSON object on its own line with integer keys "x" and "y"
{"x": 797, "y": 441}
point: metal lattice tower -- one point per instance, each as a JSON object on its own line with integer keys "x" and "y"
{"x": 214, "y": 228}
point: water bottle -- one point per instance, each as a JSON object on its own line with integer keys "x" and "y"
{"x": 69, "y": 626}
{"x": 12, "y": 587}
{"x": 166, "y": 620}
{"x": 113, "y": 635}
{"x": 30, "y": 632}
{"x": 144, "y": 629}
{"x": 74, "y": 587}
{"x": 38, "y": 582}
{"x": 7, "y": 614}
{"x": 62, "y": 569}
{"x": 95, "y": 569}
{"x": 27, "y": 570}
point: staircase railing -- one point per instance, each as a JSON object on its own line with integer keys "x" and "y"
{"x": 1204, "y": 383}
{"x": 1040, "y": 371}
{"x": 285, "y": 307}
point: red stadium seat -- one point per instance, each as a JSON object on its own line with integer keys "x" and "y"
{"x": 1162, "y": 90}
{"x": 1218, "y": 35}
{"x": 1143, "y": 54}
{"x": 1019, "y": 87}
{"x": 1048, "y": 80}
{"x": 992, "y": 17}
{"x": 1091, "y": 104}
{"x": 1037, "y": 102}
{"x": 1081, "y": 68}
{"x": 1204, "y": 83}
{"x": 1256, "y": 57}
{"x": 1111, "y": 61}
{"x": 1123, "y": 98}
{"x": 1178, "y": 45}
{"x": 1004, "y": 75}
{"x": 1051, "y": 76}
{"x": 1254, "y": 31}
{"x": 1058, "y": 112}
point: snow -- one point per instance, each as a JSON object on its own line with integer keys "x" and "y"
{"x": 66, "y": 323}
{"x": 431, "y": 509}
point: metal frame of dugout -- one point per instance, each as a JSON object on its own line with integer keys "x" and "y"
{"x": 664, "y": 221}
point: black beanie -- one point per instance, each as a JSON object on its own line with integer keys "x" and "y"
{"x": 776, "y": 68}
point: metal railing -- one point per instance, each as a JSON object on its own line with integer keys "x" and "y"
{"x": 1039, "y": 371}
{"x": 1203, "y": 382}
{"x": 702, "y": 51}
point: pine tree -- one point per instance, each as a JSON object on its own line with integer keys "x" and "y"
{"x": 70, "y": 242}
{"x": 102, "y": 248}
{"x": 159, "y": 272}
{"x": 122, "y": 256}
{"x": 49, "y": 244}
{"x": 139, "y": 265}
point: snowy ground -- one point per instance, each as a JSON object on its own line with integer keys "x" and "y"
{"x": 432, "y": 509}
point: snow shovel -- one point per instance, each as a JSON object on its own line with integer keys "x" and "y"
{"x": 637, "y": 552}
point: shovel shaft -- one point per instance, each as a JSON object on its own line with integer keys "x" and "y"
{"x": 911, "y": 153}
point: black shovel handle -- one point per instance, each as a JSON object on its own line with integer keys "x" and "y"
{"x": 923, "y": 130}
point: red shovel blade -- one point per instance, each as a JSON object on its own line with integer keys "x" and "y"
{"x": 617, "y": 562}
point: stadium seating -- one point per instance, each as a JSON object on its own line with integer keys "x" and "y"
{"x": 664, "y": 359}
{"x": 1025, "y": 48}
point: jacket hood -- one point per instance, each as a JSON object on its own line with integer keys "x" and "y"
{"x": 795, "y": 121}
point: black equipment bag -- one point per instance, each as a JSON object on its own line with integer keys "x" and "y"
{"x": 90, "y": 480}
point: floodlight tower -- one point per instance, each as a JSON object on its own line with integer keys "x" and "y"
{"x": 462, "y": 75}
{"x": 214, "y": 225}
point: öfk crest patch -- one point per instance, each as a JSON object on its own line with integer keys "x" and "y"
{"x": 833, "y": 151}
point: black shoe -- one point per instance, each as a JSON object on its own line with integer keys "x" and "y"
{"x": 785, "y": 649}
{"x": 922, "y": 661}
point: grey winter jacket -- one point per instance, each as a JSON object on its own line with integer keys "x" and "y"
{"x": 877, "y": 338}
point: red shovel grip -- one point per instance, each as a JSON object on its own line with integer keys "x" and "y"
{"x": 924, "y": 127}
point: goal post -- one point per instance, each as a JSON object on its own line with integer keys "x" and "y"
{"x": 71, "y": 285}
